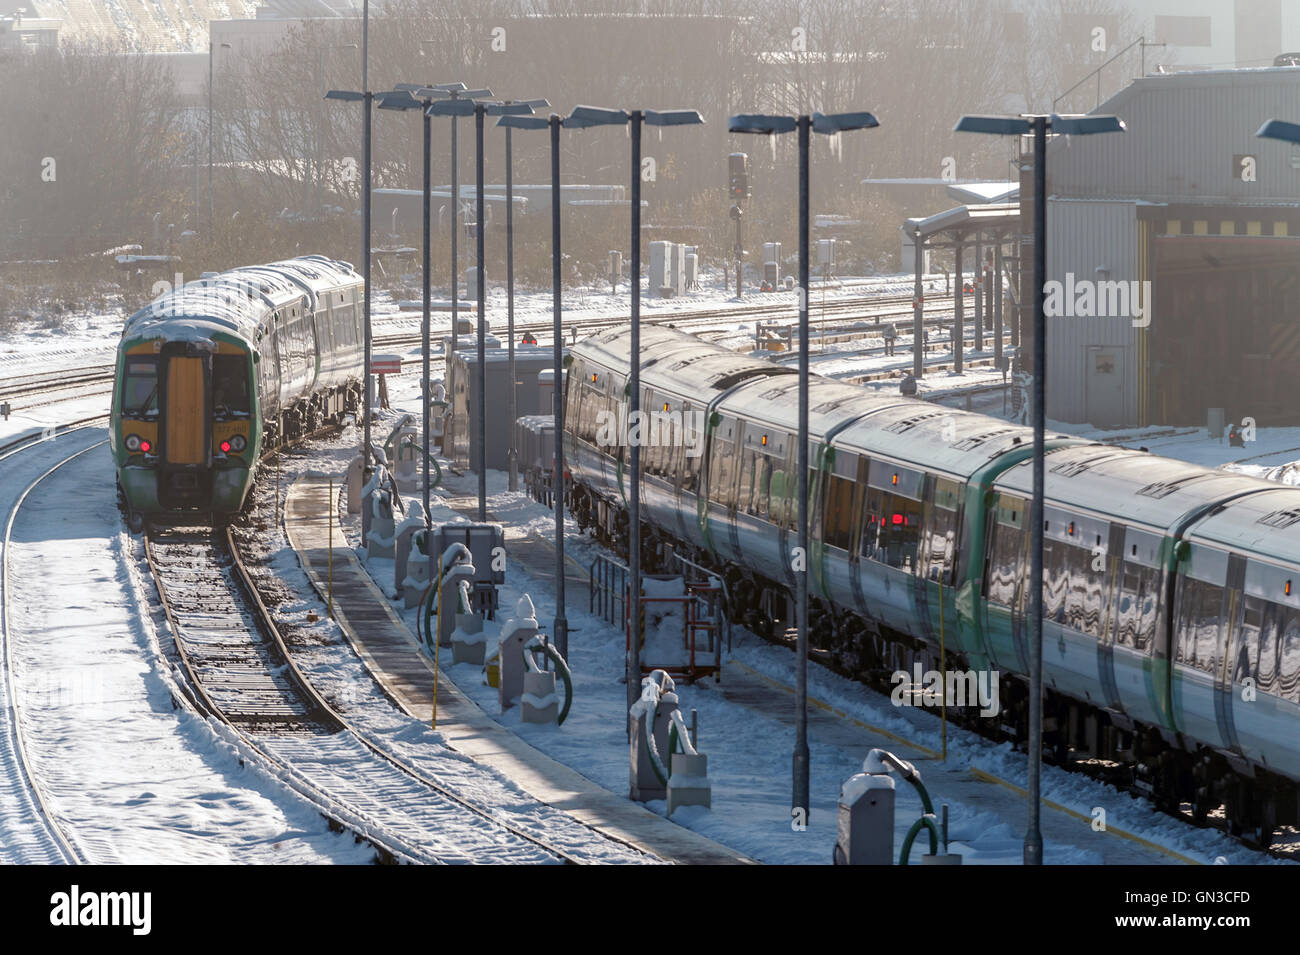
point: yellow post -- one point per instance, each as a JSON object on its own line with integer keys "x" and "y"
{"x": 433, "y": 642}
{"x": 333, "y": 504}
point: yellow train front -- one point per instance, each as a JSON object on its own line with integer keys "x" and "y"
{"x": 210, "y": 372}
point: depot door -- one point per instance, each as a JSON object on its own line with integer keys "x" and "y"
{"x": 1105, "y": 382}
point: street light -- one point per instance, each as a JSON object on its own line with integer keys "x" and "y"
{"x": 404, "y": 99}
{"x": 366, "y": 98}
{"x": 770, "y": 126}
{"x": 455, "y": 92}
{"x": 212, "y": 55}
{"x": 553, "y": 123}
{"x": 1038, "y": 125}
{"x": 511, "y": 410}
{"x": 582, "y": 118}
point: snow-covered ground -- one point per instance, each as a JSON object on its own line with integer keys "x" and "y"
{"x": 131, "y": 778}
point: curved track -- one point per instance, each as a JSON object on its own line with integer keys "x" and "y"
{"x": 237, "y": 671}
{"x": 48, "y": 836}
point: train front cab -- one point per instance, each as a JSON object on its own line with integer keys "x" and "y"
{"x": 186, "y": 414}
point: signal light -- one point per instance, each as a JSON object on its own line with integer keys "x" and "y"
{"x": 898, "y": 518}
{"x": 225, "y": 447}
{"x": 146, "y": 447}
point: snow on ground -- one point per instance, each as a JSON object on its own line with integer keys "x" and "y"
{"x": 135, "y": 780}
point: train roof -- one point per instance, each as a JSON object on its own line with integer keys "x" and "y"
{"x": 1265, "y": 524}
{"x": 235, "y": 302}
{"x": 1131, "y": 485}
{"x": 776, "y": 403}
{"x": 673, "y": 360}
{"x": 938, "y": 438}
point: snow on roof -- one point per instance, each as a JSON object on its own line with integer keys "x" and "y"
{"x": 235, "y": 302}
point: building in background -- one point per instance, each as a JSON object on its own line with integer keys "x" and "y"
{"x": 19, "y": 32}
{"x": 1188, "y": 227}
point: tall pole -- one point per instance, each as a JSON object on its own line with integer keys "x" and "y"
{"x": 365, "y": 267}
{"x": 481, "y": 290}
{"x": 979, "y": 290}
{"x": 212, "y": 55}
{"x": 425, "y": 324}
{"x": 633, "y": 419}
{"x": 455, "y": 239}
{"x": 365, "y": 224}
{"x": 511, "y": 410}
{"x": 958, "y": 311}
{"x": 1034, "y": 835}
{"x": 918, "y": 309}
{"x": 800, "y": 796}
{"x": 557, "y": 394}
{"x": 996, "y": 292}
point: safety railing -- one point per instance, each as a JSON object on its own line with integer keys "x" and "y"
{"x": 608, "y": 593}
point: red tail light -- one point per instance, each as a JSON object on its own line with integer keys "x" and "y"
{"x": 898, "y": 518}
{"x": 225, "y": 447}
{"x": 146, "y": 447}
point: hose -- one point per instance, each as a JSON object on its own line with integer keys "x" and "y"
{"x": 561, "y": 667}
{"x": 928, "y": 821}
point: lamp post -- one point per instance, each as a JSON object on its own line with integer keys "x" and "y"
{"x": 553, "y": 123}
{"x": 805, "y": 125}
{"x": 582, "y": 118}
{"x": 366, "y": 98}
{"x": 511, "y": 409}
{"x": 212, "y": 56}
{"x": 1038, "y": 125}
{"x": 405, "y": 98}
{"x": 455, "y": 92}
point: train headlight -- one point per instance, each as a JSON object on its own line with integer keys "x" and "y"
{"x": 237, "y": 443}
{"x": 133, "y": 442}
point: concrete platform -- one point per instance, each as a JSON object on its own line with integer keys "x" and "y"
{"x": 405, "y": 673}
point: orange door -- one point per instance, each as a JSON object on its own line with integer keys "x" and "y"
{"x": 184, "y": 411}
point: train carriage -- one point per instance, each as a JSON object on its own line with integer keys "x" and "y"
{"x": 1171, "y": 636}
{"x": 210, "y": 371}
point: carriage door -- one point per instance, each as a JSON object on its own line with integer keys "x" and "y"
{"x": 186, "y": 442}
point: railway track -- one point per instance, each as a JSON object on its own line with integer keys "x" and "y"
{"x": 46, "y": 836}
{"x": 237, "y": 671}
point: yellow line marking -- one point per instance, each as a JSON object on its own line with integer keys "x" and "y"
{"x": 979, "y": 774}
{"x": 1113, "y": 830}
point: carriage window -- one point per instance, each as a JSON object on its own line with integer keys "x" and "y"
{"x": 229, "y": 387}
{"x": 1288, "y": 665}
{"x": 1006, "y": 530}
{"x": 942, "y": 530}
{"x": 1247, "y": 661}
{"x": 723, "y": 474}
{"x": 761, "y": 481}
{"x": 140, "y": 388}
{"x": 837, "y": 512}
{"x": 892, "y": 529}
{"x": 1200, "y": 605}
{"x": 1138, "y": 601}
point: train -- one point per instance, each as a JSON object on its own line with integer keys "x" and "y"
{"x": 1171, "y": 592}
{"x": 213, "y": 371}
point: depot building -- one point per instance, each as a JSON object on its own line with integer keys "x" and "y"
{"x": 1173, "y": 257}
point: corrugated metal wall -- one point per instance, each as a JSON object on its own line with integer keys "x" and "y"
{"x": 1082, "y": 237}
{"x": 1183, "y": 134}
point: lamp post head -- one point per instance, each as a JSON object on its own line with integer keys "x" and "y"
{"x": 1280, "y": 129}
{"x": 761, "y": 124}
{"x": 584, "y": 117}
{"x": 673, "y": 117}
{"x": 830, "y": 124}
{"x": 347, "y": 96}
{"x": 514, "y": 121}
